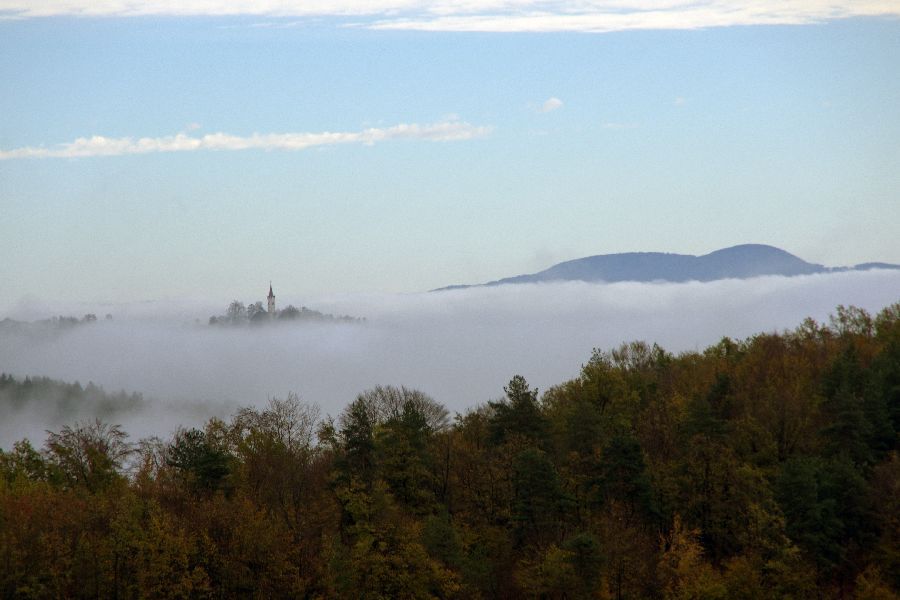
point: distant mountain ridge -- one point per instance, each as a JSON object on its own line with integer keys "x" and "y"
{"x": 737, "y": 262}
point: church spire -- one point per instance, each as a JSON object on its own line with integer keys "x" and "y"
{"x": 271, "y": 299}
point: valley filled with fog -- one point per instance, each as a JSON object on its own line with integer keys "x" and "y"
{"x": 461, "y": 347}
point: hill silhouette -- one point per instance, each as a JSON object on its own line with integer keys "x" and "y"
{"x": 737, "y": 262}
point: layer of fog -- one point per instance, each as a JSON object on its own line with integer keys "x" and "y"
{"x": 460, "y": 347}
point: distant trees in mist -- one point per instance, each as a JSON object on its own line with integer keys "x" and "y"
{"x": 63, "y": 401}
{"x": 238, "y": 313}
{"x": 762, "y": 468}
{"x": 60, "y": 322}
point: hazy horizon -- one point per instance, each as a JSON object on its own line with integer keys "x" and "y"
{"x": 29, "y": 307}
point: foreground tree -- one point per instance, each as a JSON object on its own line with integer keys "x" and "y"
{"x": 89, "y": 454}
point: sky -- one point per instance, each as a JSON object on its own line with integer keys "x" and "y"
{"x": 201, "y": 148}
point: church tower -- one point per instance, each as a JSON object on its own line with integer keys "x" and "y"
{"x": 271, "y": 299}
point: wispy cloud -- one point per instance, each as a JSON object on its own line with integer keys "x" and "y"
{"x": 98, "y": 145}
{"x": 484, "y": 15}
{"x": 551, "y": 104}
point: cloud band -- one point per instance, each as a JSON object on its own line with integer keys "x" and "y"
{"x": 483, "y": 15}
{"x": 444, "y": 131}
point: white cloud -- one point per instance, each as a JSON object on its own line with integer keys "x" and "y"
{"x": 483, "y": 15}
{"x": 98, "y": 145}
{"x": 551, "y": 104}
{"x": 600, "y": 16}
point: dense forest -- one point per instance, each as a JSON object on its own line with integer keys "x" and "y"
{"x": 763, "y": 468}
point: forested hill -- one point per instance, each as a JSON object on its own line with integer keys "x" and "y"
{"x": 737, "y": 262}
{"x": 763, "y": 468}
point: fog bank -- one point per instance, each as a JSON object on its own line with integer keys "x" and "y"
{"x": 459, "y": 346}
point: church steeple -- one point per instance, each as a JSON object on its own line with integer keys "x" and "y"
{"x": 271, "y": 299}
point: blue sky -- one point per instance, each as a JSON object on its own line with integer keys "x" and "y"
{"x": 158, "y": 151}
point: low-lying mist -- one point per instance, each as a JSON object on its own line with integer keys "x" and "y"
{"x": 461, "y": 347}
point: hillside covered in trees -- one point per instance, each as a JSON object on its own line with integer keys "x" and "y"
{"x": 763, "y": 468}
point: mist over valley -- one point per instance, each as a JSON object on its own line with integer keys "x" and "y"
{"x": 460, "y": 346}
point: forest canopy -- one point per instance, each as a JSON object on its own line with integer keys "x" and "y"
{"x": 757, "y": 468}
